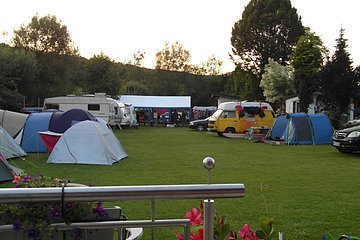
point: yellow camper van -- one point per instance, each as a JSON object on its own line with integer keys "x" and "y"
{"x": 240, "y": 117}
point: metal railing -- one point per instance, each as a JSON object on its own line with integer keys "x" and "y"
{"x": 117, "y": 193}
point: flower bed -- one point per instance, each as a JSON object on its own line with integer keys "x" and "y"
{"x": 33, "y": 220}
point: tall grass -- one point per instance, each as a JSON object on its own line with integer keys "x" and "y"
{"x": 309, "y": 189}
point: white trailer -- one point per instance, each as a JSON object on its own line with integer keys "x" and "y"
{"x": 97, "y": 104}
{"x": 129, "y": 114}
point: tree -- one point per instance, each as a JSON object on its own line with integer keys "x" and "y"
{"x": 338, "y": 80}
{"x": 268, "y": 29}
{"x": 103, "y": 75}
{"x": 138, "y": 57}
{"x": 18, "y": 74}
{"x": 45, "y": 35}
{"x": 307, "y": 59}
{"x": 244, "y": 84}
{"x": 277, "y": 83}
{"x": 173, "y": 58}
{"x": 211, "y": 67}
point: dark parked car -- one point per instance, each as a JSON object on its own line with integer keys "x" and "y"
{"x": 347, "y": 140}
{"x": 200, "y": 124}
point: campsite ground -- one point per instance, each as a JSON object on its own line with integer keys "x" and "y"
{"x": 311, "y": 189}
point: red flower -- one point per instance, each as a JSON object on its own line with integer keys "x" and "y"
{"x": 16, "y": 179}
{"x": 232, "y": 236}
{"x": 247, "y": 234}
{"x": 178, "y": 236}
{"x": 199, "y": 236}
{"x": 195, "y": 217}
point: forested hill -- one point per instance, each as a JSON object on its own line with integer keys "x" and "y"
{"x": 29, "y": 77}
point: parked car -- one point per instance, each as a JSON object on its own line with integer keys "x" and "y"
{"x": 347, "y": 140}
{"x": 164, "y": 118}
{"x": 353, "y": 123}
{"x": 200, "y": 124}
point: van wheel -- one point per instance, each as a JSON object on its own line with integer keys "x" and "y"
{"x": 200, "y": 128}
{"x": 230, "y": 130}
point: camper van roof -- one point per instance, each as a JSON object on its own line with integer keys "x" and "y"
{"x": 232, "y": 105}
{"x": 69, "y": 100}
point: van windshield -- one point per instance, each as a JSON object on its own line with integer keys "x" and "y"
{"x": 217, "y": 113}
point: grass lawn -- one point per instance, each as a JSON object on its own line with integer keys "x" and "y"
{"x": 311, "y": 189}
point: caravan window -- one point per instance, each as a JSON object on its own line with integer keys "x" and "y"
{"x": 94, "y": 107}
{"x": 51, "y": 106}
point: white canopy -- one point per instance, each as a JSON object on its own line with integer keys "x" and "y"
{"x": 87, "y": 142}
{"x": 157, "y": 101}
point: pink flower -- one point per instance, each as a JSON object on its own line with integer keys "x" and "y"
{"x": 247, "y": 234}
{"x": 195, "y": 217}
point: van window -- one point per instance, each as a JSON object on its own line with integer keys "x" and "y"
{"x": 228, "y": 114}
{"x": 94, "y": 107}
{"x": 116, "y": 110}
{"x": 250, "y": 112}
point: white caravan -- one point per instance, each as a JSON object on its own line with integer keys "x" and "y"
{"x": 129, "y": 114}
{"x": 97, "y": 104}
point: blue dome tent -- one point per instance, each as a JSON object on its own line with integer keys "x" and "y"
{"x": 301, "y": 128}
{"x": 29, "y": 138}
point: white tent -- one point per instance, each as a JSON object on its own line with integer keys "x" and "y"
{"x": 87, "y": 142}
{"x": 8, "y": 147}
{"x": 7, "y": 171}
{"x": 12, "y": 121}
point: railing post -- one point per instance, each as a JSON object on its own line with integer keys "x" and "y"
{"x": 152, "y": 218}
{"x": 209, "y": 204}
{"x": 209, "y": 215}
{"x": 187, "y": 231}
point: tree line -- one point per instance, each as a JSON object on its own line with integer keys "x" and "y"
{"x": 42, "y": 61}
{"x": 276, "y": 58}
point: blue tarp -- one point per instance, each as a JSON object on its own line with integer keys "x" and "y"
{"x": 302, "y": 128}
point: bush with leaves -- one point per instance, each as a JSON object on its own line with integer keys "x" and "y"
{"x": 35, "y": 219}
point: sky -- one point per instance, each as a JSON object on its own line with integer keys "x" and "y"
{"x": 118, "y": 28}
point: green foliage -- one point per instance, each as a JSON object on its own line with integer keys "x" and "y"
{"x": 18, "y": 72}
{"x": 173, "y": 57}
{"x": 103, "y": 75}
{"x": 221, "y": 227}
{"x": 244, "y": 84}
{"x": 9, "y": 95}
{"x": 307, "y": 59}
{"x": 35, "y": 219}
{"x": 338, "y": 80}
{"x": 44, "y": 35}
{"x": 267, "y": 230}
{"x": 268, "y": 29}
{"x": 277, "y": 83}
{"x": 134, "y": 88}
{"x": 212, "y": 66}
